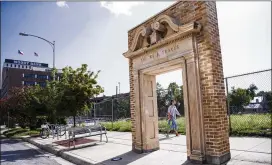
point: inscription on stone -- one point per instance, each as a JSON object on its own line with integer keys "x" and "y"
{"x": 172, "y": 50}
{"x": 163, "y": 52}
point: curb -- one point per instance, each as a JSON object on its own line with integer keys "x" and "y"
{"x": 62, "y": 154}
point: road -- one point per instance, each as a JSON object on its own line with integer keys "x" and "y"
{"x": 17, "y": 152}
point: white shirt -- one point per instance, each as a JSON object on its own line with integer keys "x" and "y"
{"x": 173, "y": 111}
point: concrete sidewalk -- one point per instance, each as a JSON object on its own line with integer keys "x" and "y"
{"x": 244, "y": 151}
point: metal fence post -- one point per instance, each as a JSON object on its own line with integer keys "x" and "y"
{"x": 228, "y": 107}
{"x": 112, "y": 113}
{"x": 94, "y": 110}
{"x": 8, "y": 120}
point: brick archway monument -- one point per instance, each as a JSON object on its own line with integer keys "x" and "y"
{"x": 184, "y": 36}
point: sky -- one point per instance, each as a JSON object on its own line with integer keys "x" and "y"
{"x": 95, "y": 33}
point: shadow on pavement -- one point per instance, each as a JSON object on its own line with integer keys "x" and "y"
{"x": 166, "y": 138}
{"x": 127, "y": 158}
{"x": 190, "y": 163}
{"x": 13, "y": 156}
{"x": 7, "y": 141}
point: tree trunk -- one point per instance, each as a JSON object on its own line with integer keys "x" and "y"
{"x": 54, "y": 119}
{"x": 32, "y": 123}
{"x": 74, "y": 121}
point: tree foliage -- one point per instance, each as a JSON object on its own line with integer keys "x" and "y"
{"x": 241, "y": 97}
{"x": 68, "y": 96}
{"x": 123, "y": 107}
{"x": 77, "y": 87}
{"x": 173, "y": 92}
{"x": 268, "y": 99}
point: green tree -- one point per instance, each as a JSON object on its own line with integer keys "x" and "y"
{"x": 180, "y": 99}
{"x": 78, "y": 87}
{"x": 51, "y": 98}
{"x": 165, "y": 96}
{"x": 268, "y": 99}
{"x": 239, "y": 97}
{"x": 176, "y": 92}
{"x": 122, "y": 107}
{"x": 252, "y": 90}
{"x": 161, "y": 100}
{"x": 23, "y": 105}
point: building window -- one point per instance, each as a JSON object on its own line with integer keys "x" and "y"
{"x": 29, "y": 75}
{"x": 15, "y": 66}
{"x": 11, "y": 65}
{"x": 42, "y": 77}
{"x": 29, "y": 83}
{"x": 7, "y": 65}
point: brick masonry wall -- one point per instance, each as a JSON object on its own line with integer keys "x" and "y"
{"x": 211, "y": 71}
{"x": 132, "y": 103}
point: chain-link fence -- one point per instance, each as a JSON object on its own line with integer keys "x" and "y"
{"x": 112, "y": 109}
{"x": 249, "y": 103}
{"x": 118, "y": 107}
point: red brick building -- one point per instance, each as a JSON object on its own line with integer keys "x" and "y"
{"x": 18, "y": 73}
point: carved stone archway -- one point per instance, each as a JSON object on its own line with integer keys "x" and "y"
{"x": 184, "y": 36}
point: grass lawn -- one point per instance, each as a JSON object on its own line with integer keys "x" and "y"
{"x": 241, "y": 125}
{"x": 17, "y": 132}
{"x": 251, "y": 124}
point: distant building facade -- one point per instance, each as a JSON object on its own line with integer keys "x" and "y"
{"x": 17, "y": 73}
{"x": 258, "y": 105}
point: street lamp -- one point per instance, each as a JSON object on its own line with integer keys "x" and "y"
{"x": 52, "y": 44}
{"x": 119, "y": 87}
{"x": 23, "y": 34}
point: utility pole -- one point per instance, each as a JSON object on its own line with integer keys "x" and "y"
{"x": 119, "y": 88}
{"x": 0, "y": 68}
{"x": 116, "y": 91}
{"x": 112, "y": 113}
{"x": 8, "y": 120}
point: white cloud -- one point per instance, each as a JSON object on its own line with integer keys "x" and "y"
{"x": 119, "y": 8}
{"x": 62, "y": 4}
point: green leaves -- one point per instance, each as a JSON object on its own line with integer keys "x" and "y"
{"x": 78, "y": 86}
{"x": 68, "y": 96}
{"x": 165, "y": 96}
{"x": 241, "y": 97}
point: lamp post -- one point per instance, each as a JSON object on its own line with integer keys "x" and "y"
{"x": 119, "y": 87}
{"x": 52, "y": 44}
{"x": 8, "y": 120}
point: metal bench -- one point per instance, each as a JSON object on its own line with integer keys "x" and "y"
{"x": 87, "y": 131}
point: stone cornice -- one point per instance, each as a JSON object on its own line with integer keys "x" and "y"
{"x": 173, "y": 23}
{"x": 141, "y": 32}
{"x": 183, "y": 31}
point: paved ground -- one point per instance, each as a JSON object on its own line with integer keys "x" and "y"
{"x": 16, "y": 152}
{"x": 244, "y": 151}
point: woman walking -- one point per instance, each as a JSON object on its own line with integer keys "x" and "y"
{"x": 172, "y": 113}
